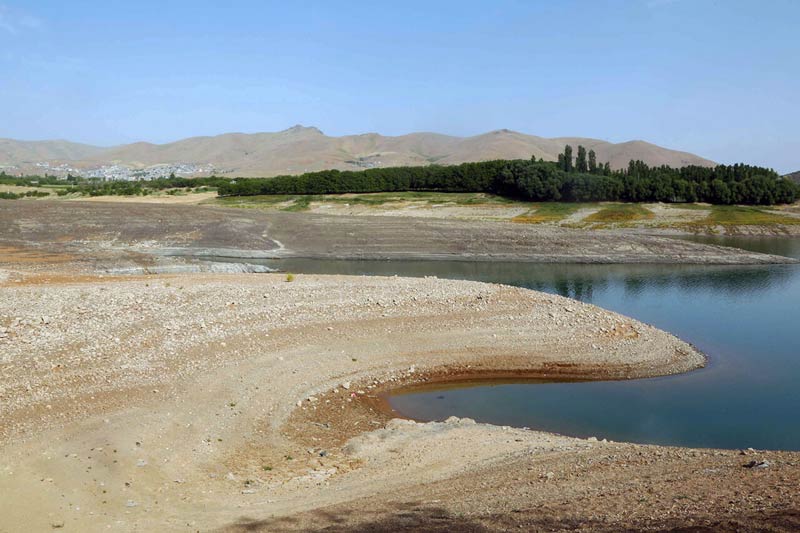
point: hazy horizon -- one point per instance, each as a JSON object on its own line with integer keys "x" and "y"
{"x": 715, "y": 80}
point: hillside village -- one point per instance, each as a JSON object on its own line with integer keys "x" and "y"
{"x": 116, "y": 172}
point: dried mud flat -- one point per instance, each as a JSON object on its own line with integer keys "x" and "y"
{"x": 109, "y": 236}
{"x": 248, "y": 403}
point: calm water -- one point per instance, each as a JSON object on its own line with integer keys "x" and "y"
{"x": 747, "y": 319}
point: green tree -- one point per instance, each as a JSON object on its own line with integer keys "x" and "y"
{"x": 580, "y": 162}
{"x": 568, "y": 158}
{"x": 592, "y": 162}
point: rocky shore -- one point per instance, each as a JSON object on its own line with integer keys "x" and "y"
{"x": 249, "y": 403}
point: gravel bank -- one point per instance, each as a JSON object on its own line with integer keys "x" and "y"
{"x": 157, "y": 402}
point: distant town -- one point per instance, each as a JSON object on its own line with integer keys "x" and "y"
{"x": 113, "y": 172}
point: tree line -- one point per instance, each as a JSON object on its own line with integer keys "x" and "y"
{"x": 100, "y": 187}
{"x": 579, "y": 179}
{"x": 569, "y": 179}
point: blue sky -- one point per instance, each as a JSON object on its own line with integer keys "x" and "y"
{"x": 720, "y": 78}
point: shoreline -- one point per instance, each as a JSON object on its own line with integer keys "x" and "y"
{"x": 745, "y": 259}
{"x": 133, "y": 389}
{"x": 218, "y": 401}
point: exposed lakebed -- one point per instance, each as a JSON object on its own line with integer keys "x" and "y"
{"x": 744, "y": 317}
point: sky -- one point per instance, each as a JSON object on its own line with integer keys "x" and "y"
{"x": 720, "y": 78}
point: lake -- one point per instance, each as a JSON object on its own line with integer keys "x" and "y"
{"x": 745, "y": 318}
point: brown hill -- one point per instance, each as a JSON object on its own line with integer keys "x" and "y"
{"x": 301, "y": 149}
{"x": 794, "y": 176}
{"x": 14, "y": 152}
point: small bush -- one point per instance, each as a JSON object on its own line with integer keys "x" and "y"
{"x": 289, "y": 278}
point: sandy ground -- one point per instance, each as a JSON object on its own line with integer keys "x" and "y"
{"x": 166, "y": 199}
{"x": 666, "y": 218}
{"x": 109, "y": 235}
{"x": 248, "y": 403}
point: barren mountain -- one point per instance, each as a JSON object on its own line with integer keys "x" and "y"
{"x": 301, "y": 149}
{"x": 14, "y": 152}
{"x": 794, "y": 176}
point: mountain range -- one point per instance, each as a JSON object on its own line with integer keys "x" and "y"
{"x": 303, "y": 149}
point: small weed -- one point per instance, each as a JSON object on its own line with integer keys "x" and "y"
{"x": 266, "y": 468}
{"x": 289, "y": 278}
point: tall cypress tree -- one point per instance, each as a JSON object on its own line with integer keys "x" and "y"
{"x": 568, "y": 158}
{"x": 580, "y": 161}
{"x": 592, "y": 162}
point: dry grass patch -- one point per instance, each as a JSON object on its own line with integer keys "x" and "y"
{"x": 735, "y": 215}
{"x": 620, "y": 213}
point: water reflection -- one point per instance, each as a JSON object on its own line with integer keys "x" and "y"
{"x": 580, "y": 282}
